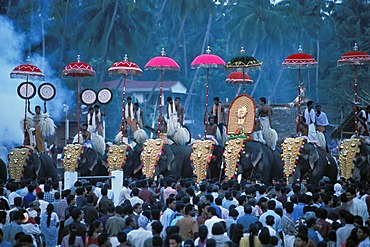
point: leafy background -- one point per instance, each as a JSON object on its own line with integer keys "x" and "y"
{"x": 102, "y": 31}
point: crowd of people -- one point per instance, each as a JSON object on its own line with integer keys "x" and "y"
{"x": 180, "y": 212}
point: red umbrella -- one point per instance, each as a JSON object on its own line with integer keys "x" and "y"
{"x": 161, "y": 63}
{"x": 238, "y": 77}
{"x": 354, "y": 58}
{"x": 27, "y": 71}
{"x": 124, "y": 68}
{"x": 299, "y": 61}
{"x": 207, "y": 61}
{"x": 78, "y": 69}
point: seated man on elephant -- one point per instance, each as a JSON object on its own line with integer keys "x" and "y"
{"x": 211, "y": 129}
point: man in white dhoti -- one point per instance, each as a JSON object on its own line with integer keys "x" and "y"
{"x": 310, "y": 119}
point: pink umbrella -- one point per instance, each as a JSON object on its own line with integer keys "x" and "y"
{"x": 124, "y": 68}
{"x": 27, "y": 71}
{"x": 354, "y": 58}
{"x": 299, "y": 61}
{"x": 161, "y": 63}
{"x": 207, "y": 61}
{"x": 78, "y": 69}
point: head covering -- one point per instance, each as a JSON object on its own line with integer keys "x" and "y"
{"x": 143, "y": 221}
{"x": 338, "y": 189}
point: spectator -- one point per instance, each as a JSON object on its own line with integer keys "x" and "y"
{"x": 3, "y": 242}
{"x": 188, "y": 225}
{"x": 10, "y": 230}
{"x": 202, "y": 239}
{"x": 49, "y": 225}
{"x": 72, "y": 239}
{"x": 175, "y": 240}
{"x": 95, "y": 229}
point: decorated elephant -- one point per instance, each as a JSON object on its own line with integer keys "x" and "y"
{"x": 166, "y": 158}
{"x": 24, "y": 163}
{"x": 354, "y": 159}
{"x": 255, "y": 159}
{"x": 206, "y": 159}
{"x": 303, "y": 159}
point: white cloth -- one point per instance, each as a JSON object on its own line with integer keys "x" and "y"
{"x": 138, "y": 237}
{"x": 129, "y": 110}
{"x": 365, "y": 243}
{"x": 309, "y": 116}
{"x": 359, "y": 207}
{"x": 210, "y": 222}
{"x": 135, "y": 200}
{"x": 322, "y": 119}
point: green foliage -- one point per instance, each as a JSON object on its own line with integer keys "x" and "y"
{"x": 268, "y": 32}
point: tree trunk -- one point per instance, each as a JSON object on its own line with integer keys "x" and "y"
{"x": 63, "y": 37}
{"x": 101, "y": 68}
{"x": 177, "y": 43}
{"x": 9, "y": 7}
{"x": 185, "y": 58}
{"x": 160, "y": 12}
{"x": 317, "y": 70}
{"x": 206, "y": 37}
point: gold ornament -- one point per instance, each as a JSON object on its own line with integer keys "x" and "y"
{"x": 201, "y": 156}
{"x": 232, "y": 154}
{"x": 116, "y": 156}
{"x": 150, "y": 156}
{"x": 17, "y": 160}
{"x": 71, "y": 154}
{"x": 348, "y": 151}
{"x": 291, "y": 151}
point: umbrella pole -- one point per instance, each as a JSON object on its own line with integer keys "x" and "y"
{"x": 356, "y": 99}
{"x": 160, "y": 104}
{"x": 205, "y": 131}
{"x": 123, "y": 107}
{"x": 78, "y": 110}
{"x": 25, "y": 116}
{"x": 299, "y": 101}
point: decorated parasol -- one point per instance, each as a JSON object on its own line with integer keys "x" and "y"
{"x": 161, "y": 63}
{"x": 207, "y": 61}
{"x": 244, "y": 63}
{"x": 355, "y": 58}
{"x": 299, "y": 61}
{"x": 239, "y": 78}
{"x": 78, "y": 69}
{"x": 124, "y": 68}
{"x": 26, "y": 90}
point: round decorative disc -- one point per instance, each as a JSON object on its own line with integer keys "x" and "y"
{"x": 105, "y": 96}
{"x": 26, "y": 90}
{"x": 88, "y": 96}
{"x": 47, "y": 91}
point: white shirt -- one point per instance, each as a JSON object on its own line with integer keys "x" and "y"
{"x": 135, "y": 200}
{"x": 309, "y": 116}
{"x": 322, "y": 119}
{"x": 138, "y": 237}
{"x": 210, "y": 222}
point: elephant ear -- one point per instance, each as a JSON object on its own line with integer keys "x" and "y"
{"x": 256, "y": 156}
{"x": 314, "y": 156}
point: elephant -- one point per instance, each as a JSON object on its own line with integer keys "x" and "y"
{"x": 215, "y": 163}
{"x": 132, "y": 166}
{"x": 174, "y": 161}
{"x": 36, "y": 165}
{"x": 3, "y": 170}
{"x": 258, "y": 159}
{"x": 91, "y": 163}
{"x": 313, "y": 163}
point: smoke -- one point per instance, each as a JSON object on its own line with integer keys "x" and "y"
{"x": 13, "y": 46}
